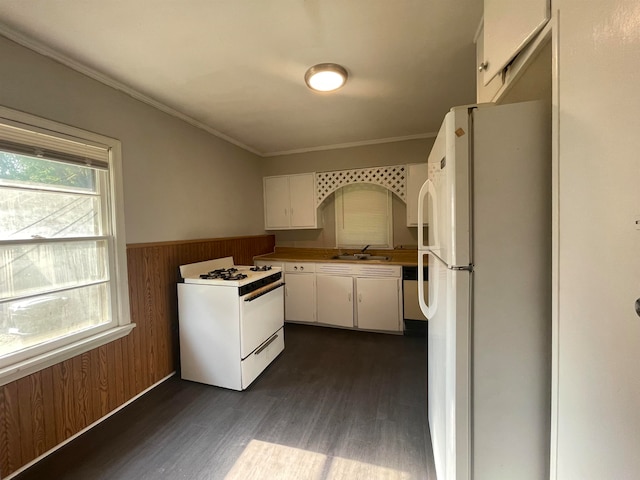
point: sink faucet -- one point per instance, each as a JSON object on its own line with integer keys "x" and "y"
{"x": 364, "y": 249}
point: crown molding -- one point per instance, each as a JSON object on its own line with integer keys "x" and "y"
{"x": 363, "y": 143}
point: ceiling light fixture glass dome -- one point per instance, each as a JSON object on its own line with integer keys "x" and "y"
{"x": 326, "y": 77}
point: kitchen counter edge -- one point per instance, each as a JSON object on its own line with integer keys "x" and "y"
{"x": 323, "y": 255}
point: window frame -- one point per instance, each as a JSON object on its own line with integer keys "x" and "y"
{"x": 19, "y": 364}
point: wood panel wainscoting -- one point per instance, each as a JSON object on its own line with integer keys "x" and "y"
{"x": 42, "y": 410}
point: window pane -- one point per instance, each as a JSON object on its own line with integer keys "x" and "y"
{"x": 44, "y": 198}
{"x": 34, "y": 213}
{"x": 31, "y": 269}
{"x": 37, "y": 172}
{"x": 28, "y": 322}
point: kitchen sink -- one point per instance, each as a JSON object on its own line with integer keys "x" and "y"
{"x": 360, "y": 256}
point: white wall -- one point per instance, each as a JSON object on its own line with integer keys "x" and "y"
{"x": 394, "y": 153}
{"x": 596, "y": 241}
{"x": 180, "y": 182}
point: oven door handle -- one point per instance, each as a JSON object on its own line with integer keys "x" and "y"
{"x": 263, "y": 292}
{"x": 262, "y": 347}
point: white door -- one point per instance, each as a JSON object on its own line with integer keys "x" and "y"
{"x": 276, "y": 202}
{"x": 302, "y": 194}
{"x": 448, "y": 332}
{"x": 508, "y": 27}
{"x": 449, "y": 173}
{"x": 300, "y": 297}
{"x": 260, "y": 317}
{"x": 597, "y": 364}
{"x": 378, "y": 303}
{"x": 484, "y": 93}
{"x": 335, "y": 300}
{"x": 448, "y": 371}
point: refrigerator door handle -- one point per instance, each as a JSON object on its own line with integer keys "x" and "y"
{"x": 428, "y": 310}
{"x": 427, "y": 188}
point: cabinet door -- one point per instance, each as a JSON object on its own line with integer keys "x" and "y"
{"x": 300, "y": 297}
{"x": 416, "y": 176}
{"x": 485, "y": 91}
{"x": 378, "y": 303}
{"x": 508, "y": 27}
{"x": 302, "y": 195}
{"x": 276, "y": 202}
{"x": 335, "y": 300}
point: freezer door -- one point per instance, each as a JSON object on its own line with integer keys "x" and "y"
{"x": 448, "y": 171}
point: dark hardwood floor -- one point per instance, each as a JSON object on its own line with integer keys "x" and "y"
{"x": 336, "y": 404}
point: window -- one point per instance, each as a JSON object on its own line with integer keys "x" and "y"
{"x": 364, "y": 216}
{"x": 63, "y": 286}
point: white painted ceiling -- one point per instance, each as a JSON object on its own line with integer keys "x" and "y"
{"x": 236, "y": 67}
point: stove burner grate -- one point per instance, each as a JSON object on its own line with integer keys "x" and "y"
{"x": 224, "y": 274}
{"x": 263, "y": 268}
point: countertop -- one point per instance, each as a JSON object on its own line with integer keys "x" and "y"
{"x": 408, "y": 257}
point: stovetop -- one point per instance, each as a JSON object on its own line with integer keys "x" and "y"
{"x": 224, "y": 272}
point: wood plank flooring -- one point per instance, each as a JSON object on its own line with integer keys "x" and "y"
{"x": 336, "y": 404}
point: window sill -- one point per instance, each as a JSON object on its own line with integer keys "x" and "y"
{"x": 40, "y": 362}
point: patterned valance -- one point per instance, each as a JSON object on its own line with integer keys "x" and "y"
{"x": 393, "y": 178}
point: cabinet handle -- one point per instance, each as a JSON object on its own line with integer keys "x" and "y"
{"x": 291, "y": 211}
{"x": 301, "y": 268}
{"x": 360, "y": 297}
{"x": 285, "y": 212}
{"x": 483, "y": 66}
{"x": 349, "y": 297}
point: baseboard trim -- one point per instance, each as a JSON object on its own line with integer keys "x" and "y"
{"x": 100, "y": 420}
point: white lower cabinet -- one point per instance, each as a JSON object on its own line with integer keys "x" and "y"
{"x": 378, "y": 304}
{"x": 364, "y": 296}
{"x": 361, "y": 295}
{"x": 335, "y": 300}
{"x": 300, "y": 292}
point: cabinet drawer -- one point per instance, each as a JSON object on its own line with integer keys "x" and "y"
{"x": 299, "y": 267}
{"x": 371, "y": 270}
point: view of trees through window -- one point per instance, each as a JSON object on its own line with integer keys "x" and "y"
{"x": 53, "y": 257}
{"x": 32, "y": 170}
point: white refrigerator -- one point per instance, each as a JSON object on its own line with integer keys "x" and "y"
{"x": 488, "y": 196}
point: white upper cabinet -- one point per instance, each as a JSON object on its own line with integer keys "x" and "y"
{"x": 508, "y": 27}
{"x": 485, "y": 93}
{"x": 276, "y": 202}
{"x": 416, "y": 176}
{"x": 303, "y": 201}
{"x": 289, "y": 202}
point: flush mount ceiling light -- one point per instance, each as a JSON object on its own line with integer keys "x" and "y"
{"x": 325, "y": 77}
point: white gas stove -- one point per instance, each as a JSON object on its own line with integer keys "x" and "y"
{"x": 231, "y": 321}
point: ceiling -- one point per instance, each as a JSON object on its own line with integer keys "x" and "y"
{"x": 236, "y": 67}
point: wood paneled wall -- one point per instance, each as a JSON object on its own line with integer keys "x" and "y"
{"x": 44, "y": 409}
